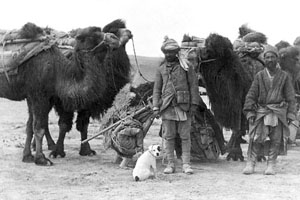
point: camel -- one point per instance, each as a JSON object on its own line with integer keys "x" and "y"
{"x": 114, "y": 75}
{"x": 49, "y": 79}
{"x": 228, "y": 78}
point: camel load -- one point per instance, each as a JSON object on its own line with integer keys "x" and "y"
{"x": 17, "y": 46}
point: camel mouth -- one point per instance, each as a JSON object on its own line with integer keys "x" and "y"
{"x": 111, "y": 40}
{"x": 125, "y": 35}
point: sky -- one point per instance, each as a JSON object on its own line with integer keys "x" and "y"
{"x": 151, "y": 20}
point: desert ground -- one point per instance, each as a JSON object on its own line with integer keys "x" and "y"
{"x": 98, "y": 177}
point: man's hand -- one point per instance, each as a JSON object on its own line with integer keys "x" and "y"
{"x": 156, "y": 112}
{"x": 251, "y": 120}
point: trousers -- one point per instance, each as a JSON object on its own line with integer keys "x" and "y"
{"x": 275, "y": 135}
{"x": 183, "y": 128}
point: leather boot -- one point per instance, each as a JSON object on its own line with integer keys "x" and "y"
{"x": 249, "y": 169}
{"x": 270, "y": 168}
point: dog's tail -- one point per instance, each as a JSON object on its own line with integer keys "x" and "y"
{"x": 136, "y": 178}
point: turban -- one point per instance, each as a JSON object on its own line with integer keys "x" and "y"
{"x": 169, "y": 45}
{"x": 269, "y": 48}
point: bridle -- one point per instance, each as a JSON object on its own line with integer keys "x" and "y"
{"x": 98, "y": 45}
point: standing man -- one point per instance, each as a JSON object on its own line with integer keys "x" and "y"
{"x": 175, "y": 98}
{"x": 269, "y": 107}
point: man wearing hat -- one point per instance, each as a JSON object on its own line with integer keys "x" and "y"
{"x": 269, "y": 107}
{"x": 175, "y": 98}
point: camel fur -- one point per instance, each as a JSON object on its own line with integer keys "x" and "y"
{"x": 49, "y": 78}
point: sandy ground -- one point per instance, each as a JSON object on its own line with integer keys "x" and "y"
{"x": 97, "y": 177}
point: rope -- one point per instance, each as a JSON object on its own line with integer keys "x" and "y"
{"x": 137, "y": 64}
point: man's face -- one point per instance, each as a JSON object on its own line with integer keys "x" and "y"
{"x": 170, "y": 55}
{"x": 270, "y": 61}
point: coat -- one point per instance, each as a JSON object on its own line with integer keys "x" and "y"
{"x": 175, "y": 85}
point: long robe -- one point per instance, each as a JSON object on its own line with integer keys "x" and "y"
{"x": 270, "y": 100}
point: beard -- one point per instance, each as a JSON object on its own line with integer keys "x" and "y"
{"x": 271, "y": 64}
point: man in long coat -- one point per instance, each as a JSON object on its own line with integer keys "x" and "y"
{"x": 269, "y": 107}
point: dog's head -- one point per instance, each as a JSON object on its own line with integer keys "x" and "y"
{"x": 154, "y": 150}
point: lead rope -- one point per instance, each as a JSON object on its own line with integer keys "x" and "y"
{"x": 137, "y": 64}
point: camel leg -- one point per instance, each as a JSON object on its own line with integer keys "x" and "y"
{"x": 65, "y": 125}
{"x": 39, "y": 112}
{"x": 50, "y": 142}
{"x": 234, "y": 147}
{"x": 27, "y": 155}
{"x": 82, "y": 124}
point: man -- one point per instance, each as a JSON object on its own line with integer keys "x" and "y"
{"x": 175, "y": 97}
{"x": 269, "y": 107}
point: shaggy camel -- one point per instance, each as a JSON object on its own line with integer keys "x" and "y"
{"x": 49, "y": 78}
{"x": 108, "y": 81}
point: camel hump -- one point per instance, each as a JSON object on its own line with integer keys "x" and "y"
{"x": 29, "y": 31}
{"x": 17, "y": 46}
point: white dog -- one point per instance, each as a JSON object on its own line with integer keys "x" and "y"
{"x": 146, "y": 164}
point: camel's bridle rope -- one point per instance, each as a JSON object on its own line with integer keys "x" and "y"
{"x": 137, "y": 64}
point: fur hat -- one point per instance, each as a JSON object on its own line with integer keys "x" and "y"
{"x": 269, "y": 48}
{"x": 169, "y": 45}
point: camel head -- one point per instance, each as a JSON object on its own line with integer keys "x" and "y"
{"x": 216, "y": 47}
{"x": 282, "y": 44}
{"x": 92, "y": 39}
{"x": 118, "y": 28}
{"x": 289, "y": 59}
{"x": 297, "y": 42}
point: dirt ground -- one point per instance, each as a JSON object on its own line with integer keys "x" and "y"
{"x": 97, "y": 177}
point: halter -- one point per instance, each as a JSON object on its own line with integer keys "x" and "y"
{"x": 100, "y": 43}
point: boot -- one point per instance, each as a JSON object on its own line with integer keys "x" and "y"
{"x": 253, "y": 150}
{"x": 273, "y": 153}
{"x": 270, "y": 168}
{"x": 249, "y": 169}
{"x": 170, "y": 169}
{"x": 186, "y": 168}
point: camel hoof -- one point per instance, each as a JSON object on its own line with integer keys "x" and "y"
{"x": 55, "y": 153}
{"x": 43, "y": 161}
{"x": 235, "y": 157}
{"x": 85, "y": 150}
{"x": 87, "y": 153}
{"x": 28, "y": 159}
